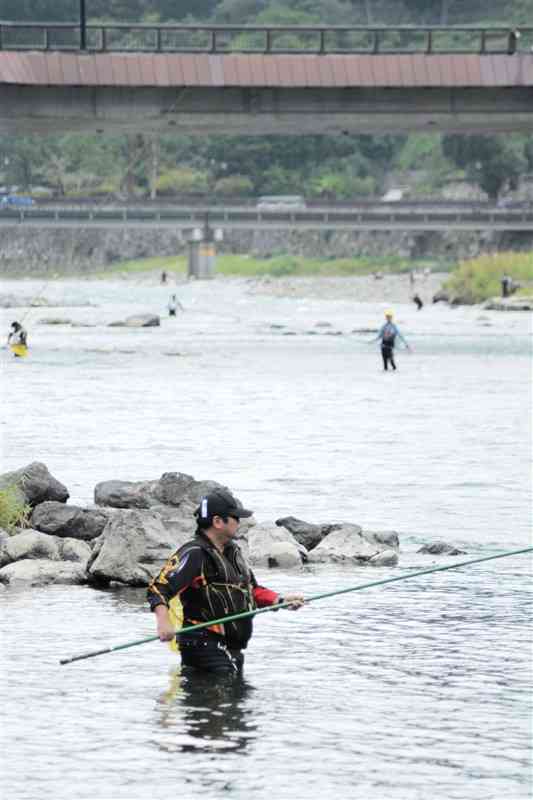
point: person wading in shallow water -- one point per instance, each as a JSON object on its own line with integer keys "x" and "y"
{"x": 18, "y": 340}
{"x": 388, "y": 333}
{"x": 173, "y": 305}
{"x": 210, "y": 579}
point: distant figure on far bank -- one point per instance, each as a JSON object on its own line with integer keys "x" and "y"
{"x": 17, "y": 340}
{"x": 173, "y": 305}
{"x": 163, "y": 277}
{"x": 507, "y": 285}
{"x": 417, "y": 300}
{"x": 387, "y": 334}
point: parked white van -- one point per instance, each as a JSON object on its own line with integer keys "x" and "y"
{"x": 281, "y": 202}
{"x": 393, "y": 196}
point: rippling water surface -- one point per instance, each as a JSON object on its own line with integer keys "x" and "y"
{"x": 416, "y": 690}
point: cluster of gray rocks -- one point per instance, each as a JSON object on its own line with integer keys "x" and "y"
{"x": 133, "y": 527}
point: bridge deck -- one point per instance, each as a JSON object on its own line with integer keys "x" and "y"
{"x": 202, "y": 70}
{"x": 243, "y": 218}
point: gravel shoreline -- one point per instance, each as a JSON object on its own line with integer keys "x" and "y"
{"x": 391, "y": 288}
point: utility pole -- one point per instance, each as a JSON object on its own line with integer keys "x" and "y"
{"x": 83, "y": 26}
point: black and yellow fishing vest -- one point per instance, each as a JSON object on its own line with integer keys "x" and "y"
{"x": 224, "y": 587}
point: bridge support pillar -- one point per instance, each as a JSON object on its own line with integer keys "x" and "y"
{"x": 202, "y": 260}
{"x": 202, "y": 252}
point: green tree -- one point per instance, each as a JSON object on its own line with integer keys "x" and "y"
{"x": 22, "y": 160}
{"x": 489, "y": 161}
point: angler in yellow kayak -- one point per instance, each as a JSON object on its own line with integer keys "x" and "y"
{"x": 18, "y": 340}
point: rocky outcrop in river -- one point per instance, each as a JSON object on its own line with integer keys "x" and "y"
{"x": 127, "y": 536}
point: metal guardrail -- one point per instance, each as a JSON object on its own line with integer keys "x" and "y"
{"x": 243, "y": 202}
{"x": 272, "y": 39}
{"x": 183, "y": 218}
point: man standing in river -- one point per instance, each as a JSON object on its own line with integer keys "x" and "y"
{"x": 211, "y": 579}
{"x": 388, "y": 333}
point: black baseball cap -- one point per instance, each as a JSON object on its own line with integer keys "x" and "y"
{"x": 221, "y": 504}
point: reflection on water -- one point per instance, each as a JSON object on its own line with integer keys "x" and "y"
{"x": 205, "y": 712}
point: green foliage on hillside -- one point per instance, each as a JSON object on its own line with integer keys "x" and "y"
{"x": 339, "y": 12}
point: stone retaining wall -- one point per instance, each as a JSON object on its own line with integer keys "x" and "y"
{"x": 68, "y": 251}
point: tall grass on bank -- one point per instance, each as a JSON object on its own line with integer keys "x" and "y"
{"x": 14, "y": 513}
{"x": 479, "y": 278}
{"x": 245, "y": 266}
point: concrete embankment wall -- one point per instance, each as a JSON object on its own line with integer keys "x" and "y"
{"x": 35, "y": 251}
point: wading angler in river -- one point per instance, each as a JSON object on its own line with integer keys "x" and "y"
{"x": 206, "y": 579}
{"x": 388, "y": 333}
{"x": 18, "y": 340}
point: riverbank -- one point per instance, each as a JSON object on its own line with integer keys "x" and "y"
{"x": 32, "y": 251}
{"x": 480, "y": 279}
{"x": 245, "y": 265}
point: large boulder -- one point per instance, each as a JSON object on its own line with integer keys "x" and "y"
{"x": 306, "y": 533}
{"x": 65, "y": 520}
{"x": 35, "y": 484}
{"x": 132, "y": 548}
{"x": 42, "y": 572}
{"x": 175, "y": 496}
{"x": 29, "y": 544}
{"x": 172, "y": 489}
{"x": 441, "y": 297}
{"x": 350, "y": 543}
{"x": 272, "y": 546}
{"x": 34, "y": 545}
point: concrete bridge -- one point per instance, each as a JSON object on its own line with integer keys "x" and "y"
{"x": 203, "y": 80}
{"x": 400, "y": 216}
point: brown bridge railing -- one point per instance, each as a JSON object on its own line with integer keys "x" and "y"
{"x": 274, "y": 39}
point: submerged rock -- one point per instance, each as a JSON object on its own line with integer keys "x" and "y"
{"x": 11, "y": 301}
{"x": 519, "y": 303}
{"x": 55, "y": 321}
{"x": 440, "y": 549}
{"x": 138, "y": 321}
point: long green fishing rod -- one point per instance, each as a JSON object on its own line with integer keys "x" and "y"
{"x": 245, "y": 614}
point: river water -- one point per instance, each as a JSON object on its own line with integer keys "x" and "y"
{"x": 414, "y": 690}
